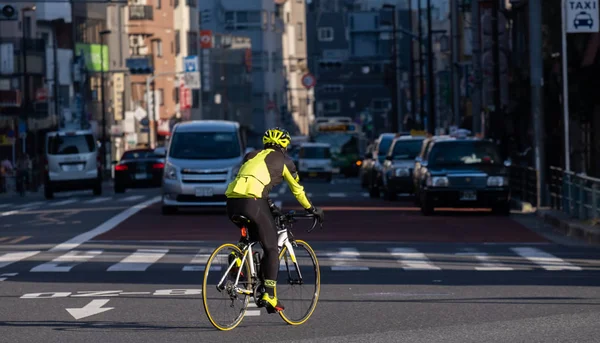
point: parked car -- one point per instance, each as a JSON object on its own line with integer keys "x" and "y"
{"x": 464, "y": 172}
{"x": 399, "y": 164}
{"x": 202, "y": 158}
{"x": 72, "y": 162}
{"x": 314, "y": 161}
{"x": 138, "y": 168}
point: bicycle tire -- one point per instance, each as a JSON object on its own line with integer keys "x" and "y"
{"x": 317, "y": 291}
{"x": 242, "y": 313}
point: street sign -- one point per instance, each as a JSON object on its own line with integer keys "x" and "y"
{"x": 206, "y": 39}
{"x": 190, "y": 63}
{"x": 581, "y": 16}
{"x": 308, "y": 81}
{"x": 41, "y": 94}
{"x": 192, "y": 80}
{"x": 192, "y": 72}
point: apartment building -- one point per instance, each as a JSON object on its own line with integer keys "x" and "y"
{"x": 295, "y": 60}
{"x": 261, "y": 22}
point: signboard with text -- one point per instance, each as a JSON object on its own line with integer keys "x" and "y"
{"x": 581, "y": 16}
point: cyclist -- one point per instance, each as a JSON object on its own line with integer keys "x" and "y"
{"x": 248, "y": 195}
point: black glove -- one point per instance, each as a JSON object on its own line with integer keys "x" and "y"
{"x": 275, "y": 211}
{"x": 317, "y": 212}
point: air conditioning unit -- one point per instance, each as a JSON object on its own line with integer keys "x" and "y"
{"x": 8, "y": 12}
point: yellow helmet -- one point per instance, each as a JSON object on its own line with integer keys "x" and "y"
{"x": 278, "y": 137}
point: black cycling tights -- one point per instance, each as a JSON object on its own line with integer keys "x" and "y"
{"x": 263, "y": 230}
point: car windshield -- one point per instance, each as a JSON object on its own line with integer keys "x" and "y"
{"x": 138, "y": 154}
{"x": 71, "y": 144}
{"x": 205, "y": 145}
{"x": 314, "y": 153}
{"x": 461, "y": 153}
{"x": 406, "y": 150}
{"x": 384, "y": 145}
{"x": 341, "y": 143}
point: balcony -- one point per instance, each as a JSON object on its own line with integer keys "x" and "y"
{"x": 141, "y": 12}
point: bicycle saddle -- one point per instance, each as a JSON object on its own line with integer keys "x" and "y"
{"x": 240, "y": 220}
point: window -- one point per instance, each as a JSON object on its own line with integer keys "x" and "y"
{"x": 325, "y": 34}
{"x": 177, "y": 42}
{"x": 257, "y": 61}
{"x": 300, "y": 31}
{"x": 265, "y": 20}
{"x": 161, "y": 97}
{"x": 68, "y": 145}
{"x": 331, "y": 106}
{"x": 158, "y": 52}
{"x": 191, "y": 3}
{"x": 205, "y": 145}
{"x": 242, "y": 20}
{"x": 158, "y": 4}
{"x": 139, "y": 154}
{"x": 406, "y": 149}
{"x": 192, "y": 43}
{"x": 314, "y": 152}
{"x": 460, "y": 153}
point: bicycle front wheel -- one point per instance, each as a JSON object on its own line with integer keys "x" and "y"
{"x": 224, "y": 301}
{"x": 299, "y": 283}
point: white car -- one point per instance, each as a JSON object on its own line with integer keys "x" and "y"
{"x": 72, "y": 162}
{"x": 314, "y": 161}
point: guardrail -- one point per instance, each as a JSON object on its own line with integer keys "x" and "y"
{"x": 523, "y": 184}
{"x": 577, "y": 195}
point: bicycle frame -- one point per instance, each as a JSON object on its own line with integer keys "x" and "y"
{"x": 282, "y": 240}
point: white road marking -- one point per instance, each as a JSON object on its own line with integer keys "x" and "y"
{"x": 336, "y": 195}
{"x": 96, "y": 200}
{"x": 544, "y": 259}
{"x": 252, "y": 313}
{"x": 198, "y": 263}
{"x": 64, "y": 202}
{"x": 309, "y": 195}
{"x": 31, "y": 204}
{"x": 5, "y": 205}
{"x": 134, "y": 293}
{"x": 290, "y": 264}
{"x": 9, "y": 213}
{"x": 139, "y": 261}
{"x": 67, "y": 261}
{"x": 487, "y": 263}
{"x": 411, "y": 259}
{"x": 12, "y": 257}
{"x": 94, "y": 307}
{"x": 346, "y": 259}
{"x": 132, "y": 198}
{"x": 278, "y": 203}
{"x": 104, "y": 227}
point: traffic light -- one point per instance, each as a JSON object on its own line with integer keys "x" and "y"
{"x": 8, "y": 12}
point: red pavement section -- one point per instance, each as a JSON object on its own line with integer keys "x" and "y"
{"x": 343, "y": 223}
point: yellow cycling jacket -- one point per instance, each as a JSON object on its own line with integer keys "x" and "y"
{"x": 261, "y": 171}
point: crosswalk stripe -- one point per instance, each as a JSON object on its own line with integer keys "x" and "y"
{"x": 139, "y": 261}
{"x": 198, "y": 263}
{"x": 5, "y": 205}
{"x": 67, "y": 261}
{"x": 12, "y": 257}
{"x": 346, "y": 259}
{"x": 31, "y": 204}
{"x": 96, "y": 200}
{"x": 487, "y": 264}
{"x": 411, "y": 259}
{"x": 336, "y": 195}
{"x": 132, "y": 198}
{"x": 64, "y": 202}
{"x": 290, "y": 265}
{"x": 544, "y": 259}
{"x": 252, "y": 313}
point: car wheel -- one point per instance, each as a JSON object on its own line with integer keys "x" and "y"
{"x": 48, "y": 192}
{"x": 168, "y": 210}
{"x": 426, "y": 206}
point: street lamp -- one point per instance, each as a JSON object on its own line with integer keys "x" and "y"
{"x": 102, "y": 34}
{"x": 25, "y": 106}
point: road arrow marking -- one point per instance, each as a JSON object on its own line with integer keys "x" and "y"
{"x": 94, "y": 307}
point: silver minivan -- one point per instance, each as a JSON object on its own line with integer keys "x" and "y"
{"x": 201, "y": 159}
{"x": 72, "y": 162}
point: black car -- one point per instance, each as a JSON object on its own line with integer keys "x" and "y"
{"x": 138, "y": 168}
{"x": 399, "y": 164}
{"x": 464, "y": 173}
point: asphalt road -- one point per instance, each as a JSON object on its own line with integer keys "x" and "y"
{"x": 112, "y": 268}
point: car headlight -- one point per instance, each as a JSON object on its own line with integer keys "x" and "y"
{"x": 497, "y": 181}
{"x": 437, "y": 181}
{"x": 170, "y": 172}
{"x": 401, "y": 172}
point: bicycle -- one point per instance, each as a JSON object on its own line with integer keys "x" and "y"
{"x": 247, "y": 282}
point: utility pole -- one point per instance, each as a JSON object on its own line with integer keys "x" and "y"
{"x": 496, "y": 117}
{"x": 421, "y": 72}
{"x": 454, "y": 11}
{"x": 431, "y": 124}
{"x": 536, "y": 81}
{"x": 476, "y": 93}
{"x": 102, "y": 88}
{"x": 413, "y": 99}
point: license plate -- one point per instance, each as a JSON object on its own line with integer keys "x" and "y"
{"x": 204, "y": 192}
{"x": 312, "y": 174}
{"x": 468, "y": 195}
{"x": 141, "y": 176}
{"x": 73, "y": 167}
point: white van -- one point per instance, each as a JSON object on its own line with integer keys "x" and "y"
{"x": 72, "y": 162}
{"x": 202, "y": 158}
{"x": 314, "y": 160}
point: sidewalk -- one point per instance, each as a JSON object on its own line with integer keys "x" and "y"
{"x": 588, "y": 231}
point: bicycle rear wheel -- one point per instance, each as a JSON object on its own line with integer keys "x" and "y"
{"x": 292, "y": 284}
{"x": 225, "y": 299}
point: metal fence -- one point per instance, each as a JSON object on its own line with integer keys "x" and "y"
{"x": 523, "y": 184}
{"x": 577, "y": 195}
